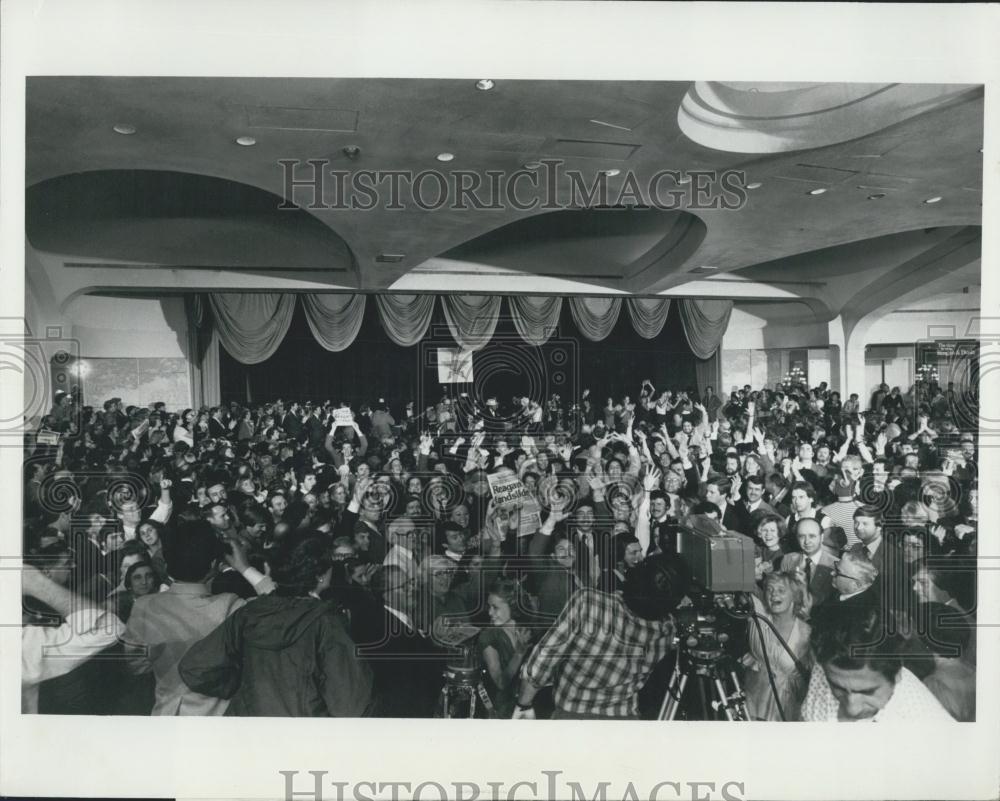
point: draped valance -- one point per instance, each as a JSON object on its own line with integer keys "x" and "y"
{"x": 472, "y": 319}
{"x": 405, "y": 318}
{"x": 705, "y": 322}
{"x": 251, "y": 326}
{"x": 334, "y": 319}
{"x": 595, "y": 317}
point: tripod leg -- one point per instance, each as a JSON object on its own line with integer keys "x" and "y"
{"x": 739, "y": 699}
{"x": 720, "y": 690}
{"x": 675, "y": 691}
{"x": 444, "y": 701}
{"x": 472, "y": 703}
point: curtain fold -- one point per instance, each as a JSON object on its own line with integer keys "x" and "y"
{"x": 334, "y": 319}
{"x": 535, "y": 318}
{"x": 595, "y": 317}
{"x": 211, "y": 377}
{"x": 405, "y": 318}
{"x": 472, "y": 319}
{"x": 705, "y": 322}
{"x": 648, "y": 315}
{"x": 251, "y": 326}
{"x": 708, "y": 373}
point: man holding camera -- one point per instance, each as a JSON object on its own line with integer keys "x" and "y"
{"x": 604, "y": 646}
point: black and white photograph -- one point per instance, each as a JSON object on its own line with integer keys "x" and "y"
{"x": 462, "y": 404}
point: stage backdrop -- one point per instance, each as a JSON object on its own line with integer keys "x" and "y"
{"x": 373, "y": 366}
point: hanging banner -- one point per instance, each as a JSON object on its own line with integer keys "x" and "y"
{"x": 454, "y": 366}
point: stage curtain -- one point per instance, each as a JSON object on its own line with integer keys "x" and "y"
{"x": 472, "y": 319}
{"x": 648, "y": 315}
{"x": 535, "y": 318}
{"x": 708, "y": 374}
{"x": 595, "y": 317}
{"x": 705, "y": 322}
{"x": 405, "y": 318}
{"x": 334, "y": 319}
{"x": 251, "y": 326}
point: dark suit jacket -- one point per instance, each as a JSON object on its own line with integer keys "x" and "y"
{"x": 821, "y": 584}
{"x": 408, "y": 670}
{"x": 833, "y": 608}
{"x": 292, "y": 425}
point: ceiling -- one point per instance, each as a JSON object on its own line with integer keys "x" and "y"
{"x": 841, "y": 176}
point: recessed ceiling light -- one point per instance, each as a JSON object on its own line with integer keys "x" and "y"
{"x": 125, "y": 130}
{"x": 821, "y": 190}
{"x": 532, "y": 165}
{"x": 246, "y": 141}
{"x": 754, "y": 185}
{"x": 934, "y": 199}
{"x": 485, "y": 84}
{"x": 876, "y": 196}
{"x": 611, "y": 173}
{"x": 708, "y": 267}
{"x": 445, "y": 156}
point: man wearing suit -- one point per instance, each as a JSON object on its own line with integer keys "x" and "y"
{"x": 719, "y": 493}
{"x": 406, "y": 540}
{"x": 291, "y": 424}
{"x": 868, "y": 531}
{"x": 407, "y": 665}
{"x": 815, "y": 561}
{"x": 315, "y": 428}
{"x": 753, "y": 507}
{"x": 216, "y": 428}
{"x": 854, "y": 588}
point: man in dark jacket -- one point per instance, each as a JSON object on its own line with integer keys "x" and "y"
{"x": 288, "y": 654}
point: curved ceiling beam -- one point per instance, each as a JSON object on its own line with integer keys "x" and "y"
{"x": 915, "y": 277}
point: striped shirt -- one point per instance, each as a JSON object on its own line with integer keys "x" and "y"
{"x": 602, "y": 652}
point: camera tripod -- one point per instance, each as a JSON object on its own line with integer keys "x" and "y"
{"x": 701, "y": 654}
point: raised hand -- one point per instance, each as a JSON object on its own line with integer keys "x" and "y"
{"x": 651, "y": 480}
{"x": 426, "y": 441}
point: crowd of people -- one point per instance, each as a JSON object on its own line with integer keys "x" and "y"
{"x": 310, "y": 559}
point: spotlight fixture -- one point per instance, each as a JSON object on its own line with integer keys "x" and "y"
{"x": 755, "y": 185}
{"x": 684, "y": 179}
{"x": 935, "y": 199}
{"x": 532, "y": 165}
{"x": 611, "y": 173}
{"x": 123, "y": 129}
{"x": 445, "y": 156}
{"x": 246, "y": 141}
{"x": 819, "y": 191}
{"x": 352, "y": 152}
{"x": 484, "y": 84}
{"x": 876, "y": 196}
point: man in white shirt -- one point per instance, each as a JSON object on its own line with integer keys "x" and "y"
{"x": 859, "y": 677}
{"x": 51, "y": 651}
{"x": 130, "y": 514}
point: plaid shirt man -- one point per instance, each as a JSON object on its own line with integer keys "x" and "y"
{"x": 602, "y": 654}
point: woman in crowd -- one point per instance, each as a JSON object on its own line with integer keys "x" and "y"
{"x": 503, "y": 645}
{"x": 786, "y": 605}
{"x": 141, "y": 578}
{"x": 770, "y": 532}
{"x": 184, "y": 431}
{"x": 628, "y": 553}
